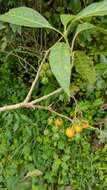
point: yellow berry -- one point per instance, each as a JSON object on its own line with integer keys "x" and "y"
{"x": 77, "y": 128}
{"x": 58, "y": 122}
{"x": 70, "y": 132}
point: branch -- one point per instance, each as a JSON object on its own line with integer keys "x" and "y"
{"x": 46, "y": 96}
{"x": 36, "y": 78}
{"x": 31, "y": 104}
{"x": 16, "y": 106}
{"x": 48, "y": 108}
{"x": 12, "y": 107}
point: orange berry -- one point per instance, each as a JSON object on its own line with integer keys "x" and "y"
{"x": 70, "y": 132}
{"x": 84, "y": 124}
{"x": 77, "y": 127}
{"x": 58, "y": 122}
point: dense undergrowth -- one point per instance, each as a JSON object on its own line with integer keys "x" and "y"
{"x": 34, "y": 153}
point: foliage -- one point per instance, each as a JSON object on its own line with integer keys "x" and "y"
{"x": 84, "y": 66}
{"x": 28, "y": 17}
{"x": 28, "y": 146}
{"x": 35, "y": 152}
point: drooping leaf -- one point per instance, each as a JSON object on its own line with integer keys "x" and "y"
{"x": 94, "y": 9}
{"x": 25, "y": 16}
{"x": 60, "y": 64}
{"x": 84, "y": 66}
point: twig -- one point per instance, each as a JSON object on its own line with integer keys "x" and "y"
{"x": 46, "y": 96}
{"x": 48, "y": 108}
{"x": 36, "y": 79}
{"x": 76, "y": 106}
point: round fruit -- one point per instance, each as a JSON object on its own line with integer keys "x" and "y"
{"x": 70, "y": 132}
{"x": 77, "y": 127}
{"x": 84, "y": 124}
{"x": 58, "y": 122}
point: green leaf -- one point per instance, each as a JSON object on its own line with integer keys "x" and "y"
{"x": 84, "y": 26}
{"x": 66, "y": 19}
{"x": 84, "y": 66}
{"x": 94, "y": 9}
{"x": 60, "y": 64}
{"x": 81, "y": 28}
{"x": 25, "y": 16}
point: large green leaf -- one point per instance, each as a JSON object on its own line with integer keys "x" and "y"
{"x": 94, "y": 9}
{"x": 25, "y": 16}
{"x": 84, "y": 66}
{"x": 60, "y": 64}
